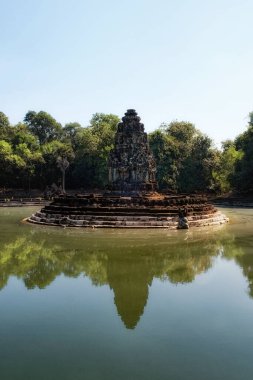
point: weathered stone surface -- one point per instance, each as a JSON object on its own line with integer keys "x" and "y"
{"x": 131, "y": 164}
{"x": 133, "y": 212}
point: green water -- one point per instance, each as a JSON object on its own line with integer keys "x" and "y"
{"x": 103, "y": 304}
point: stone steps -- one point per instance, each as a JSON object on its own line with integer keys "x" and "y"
{"x": 123, "y": 217}
{"x": 119, "y": 210}
{"x": 127, "y": 221}
{"x": 106, "y": 217}
{"x": 113, "y": 214}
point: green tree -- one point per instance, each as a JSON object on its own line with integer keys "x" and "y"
{"x": 63, "y": 165}
{"x": 243, "y": 176}
{"x": 49, "y": 169}
{"x": 4, "y": 126}
{"x": 26, "y": 146}
{"x": 184, "y": 157}
{"x": 9, "y": 162}
{"x": 197, "y": 167}
{"x": 70, "y": 132}
{"x": 224, "y": 172}
{"x": 93, "y": 145}
{"x": 43, "y": 125}
{"x": 182, "y": 131}
{"x": 165, "y": 153}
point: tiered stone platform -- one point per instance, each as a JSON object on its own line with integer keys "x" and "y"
{"x": 151, "y": 211}
{"x": 131, "y": 200}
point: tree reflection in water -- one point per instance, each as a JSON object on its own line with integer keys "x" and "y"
{"x": 128, "y": 269}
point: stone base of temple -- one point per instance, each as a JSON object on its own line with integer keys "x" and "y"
{"x": 113, "y": 211}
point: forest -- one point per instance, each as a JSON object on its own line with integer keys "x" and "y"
{"x": 33, "y": 152}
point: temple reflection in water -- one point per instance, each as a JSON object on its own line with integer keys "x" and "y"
{"x": 128, "y": 268}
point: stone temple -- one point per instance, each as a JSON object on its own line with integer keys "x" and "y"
{"x": 131, "y": 164}
{"x": 131, "y": 199}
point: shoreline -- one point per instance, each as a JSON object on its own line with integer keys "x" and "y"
{"x": 23, "y": 202}
{"x": 232, "y": 202}
{"x": 229, "y": 202}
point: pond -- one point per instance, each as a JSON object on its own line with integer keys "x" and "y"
{"x": 126, "y": 304}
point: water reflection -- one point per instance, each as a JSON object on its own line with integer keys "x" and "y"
{"x": 128, "y": 267}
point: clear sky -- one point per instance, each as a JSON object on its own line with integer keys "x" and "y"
{"x": 182, "y": 59}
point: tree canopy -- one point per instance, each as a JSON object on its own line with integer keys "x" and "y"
{"x": 186, "y": 159}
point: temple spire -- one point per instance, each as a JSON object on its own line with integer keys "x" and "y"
{"x": 131, "y": 164}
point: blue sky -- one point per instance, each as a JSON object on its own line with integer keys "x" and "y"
{"x": 182, "y": 59}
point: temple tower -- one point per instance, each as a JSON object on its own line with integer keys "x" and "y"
{"x": 131, "y": 164}
{"x": 131, "y": 201}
